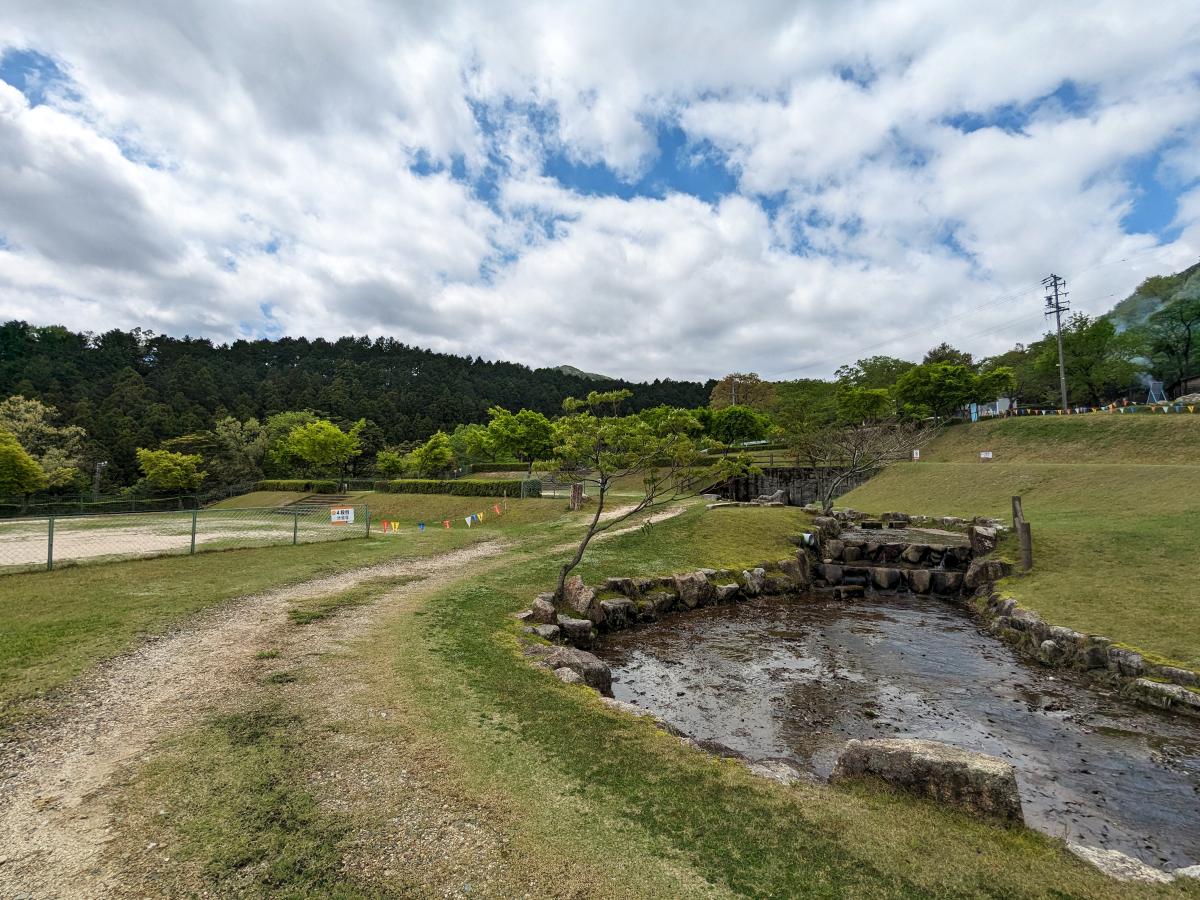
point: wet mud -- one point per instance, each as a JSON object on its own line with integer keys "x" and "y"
{"x": 795, "y": 679}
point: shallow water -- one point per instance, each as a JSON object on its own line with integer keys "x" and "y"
{"x": 796, "y": 678}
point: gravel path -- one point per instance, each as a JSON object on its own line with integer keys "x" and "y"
{"x": 54, "y": 815}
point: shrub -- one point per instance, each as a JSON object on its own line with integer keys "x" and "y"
{"x": 463, "y": 487}
{"x": 315, "y": 485}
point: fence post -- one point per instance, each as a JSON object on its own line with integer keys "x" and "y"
{"x": 367, "y": 516}
{"x": 295, "y": 528}
{"x": 50, "y": 545}
{"x": 1026, "y": 537}
{"x": 192, "y": 551}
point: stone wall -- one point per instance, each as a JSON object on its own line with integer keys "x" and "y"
{"x": 799, "y": 485}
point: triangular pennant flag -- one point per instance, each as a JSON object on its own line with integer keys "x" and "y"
{"x": 420, "y": 526}
{"x": 385, "y": 525}
{"x": 478, "y": 517}
{"x": 468, "y": 521}
{"x": 446, "y": 522}
{"x": 496, "y": 508}
{"x": 1191, "y": 408}
{"x": 395, "y": 526}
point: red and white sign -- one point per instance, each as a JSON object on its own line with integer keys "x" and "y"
{"x": 916, "y": 455}
{"x": 341, "y": 515}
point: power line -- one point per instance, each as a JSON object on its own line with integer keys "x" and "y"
{"x": 1057, "y": 304}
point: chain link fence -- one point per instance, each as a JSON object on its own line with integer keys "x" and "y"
{"x": 47, "y": 542}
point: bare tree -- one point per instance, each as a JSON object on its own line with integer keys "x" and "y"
{"x": 841, "y": 454}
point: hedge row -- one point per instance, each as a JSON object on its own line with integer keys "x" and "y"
{"x": 318, "y": 485}
{"x": 463, "y": 487}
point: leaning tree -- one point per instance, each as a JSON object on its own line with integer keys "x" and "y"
{"x": 600, "y": 450}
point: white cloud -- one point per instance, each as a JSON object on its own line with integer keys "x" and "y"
{"x": 215, "y": 160}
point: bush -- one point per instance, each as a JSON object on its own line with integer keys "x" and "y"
{"x": 462, "y": 487}
{"x": 315, "y": 485}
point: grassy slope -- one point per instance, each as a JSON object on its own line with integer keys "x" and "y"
{"x": 1114, "y": 541}
{"x": 260, "y": 500}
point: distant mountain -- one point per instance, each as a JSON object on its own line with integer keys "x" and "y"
{"x": 579, "y": 373}
{"x": 1151, "y": 296}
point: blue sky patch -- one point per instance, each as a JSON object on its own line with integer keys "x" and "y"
{"x": 1069, "y": 99}
{"x": 33, "y": 74}
{"x": 1155, "y": 203}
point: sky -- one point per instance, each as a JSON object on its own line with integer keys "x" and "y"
{"x": 639, "y": 189}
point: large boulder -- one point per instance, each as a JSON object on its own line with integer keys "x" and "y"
{"x": 885, "y": 579}
{"x": 831, "y": 573}
{"x": 727, "y": 592}
{"x": 833, "y": 549}
{"x": 626, "y": 586}
{"x": 828, "y": 526}
{"x": 594, "y": 672}
{"x": 796, "y": 571}
{"x": 753, "y": 581}
{"x": 986, "y": 571}
{"x": 946, "y": 582}
{"x": 914, "y": 553}
{"x": 1118, "y": 866}
{"x": 581, "y": 599}
{"x": 976, "y": 782}
{"x": 983, "y": 539}
{"x": 547, "y": 632}
{"x": 543, "y": 612}
{"x": 618, "y": 612}
{"x": 579, "y": 632}
{"x": 920, "y": 581}
{"x": 694, "y": 590}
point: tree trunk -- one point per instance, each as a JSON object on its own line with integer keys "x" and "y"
{"x": 569, "y": 566}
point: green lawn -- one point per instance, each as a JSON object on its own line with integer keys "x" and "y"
{"x": 659, "y": 819}
{"x": 1114, "y": 543}
{"x": 260, "y": 500}
{"x": 1141, "y": 438}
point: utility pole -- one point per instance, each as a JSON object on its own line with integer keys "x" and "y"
{"x": 1057, "y": 304}
{"x": 100, "y": 466}
{"x": 733, "y": 388}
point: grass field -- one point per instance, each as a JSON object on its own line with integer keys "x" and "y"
{"x": 434, "y": 704}
{"x": 1114, "y": 542}
{"x": 1141, "y": 438}
{"x": 60, "y": 623}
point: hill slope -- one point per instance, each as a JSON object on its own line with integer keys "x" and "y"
{"x": 1114, "y": 527}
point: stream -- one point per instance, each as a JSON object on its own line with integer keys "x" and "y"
{"x": 795, "y": 679}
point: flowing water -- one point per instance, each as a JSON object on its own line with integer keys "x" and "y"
{"x": 796, "y": 678}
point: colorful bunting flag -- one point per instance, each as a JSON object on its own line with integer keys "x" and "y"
{"x": 446, "y": 522}
{"x": 420, "y": 526}
{"x": 496, "y": 508}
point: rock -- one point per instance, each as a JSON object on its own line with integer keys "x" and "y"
{"x": 543, "y": 612}
{"x": 834, "y": 549}
{"x": 920, "y": 581}
{"x": 852, "y": 554}
{"x": 1126, "y": 662}
{"x": 976, "y": 782}
{"x": 796, "y": 571}
{"x": 946, "y": 582}
{"x": 850, "y": 592}
{"x": 525, "y": 615}
{"x": 582, "y": 600}
{"x": 547, "y": 632}
{"x": 625, "y": 586}
{"x": 1179, "y": 676}
{"x": 827, "y": 525}
{"x": 1188, "y": 872}
{"x": 885, "y": 579}
{"x": 1117, "y": 865}
{"x": 618, "y": 613}
{"x": 568, "y": 676}
{"x": 895, "y": 517}
{"x": 694, "y": 590}
{"x": 1168, "y": 696}
{"x": 752, "y": 581}
{"x": 662, "y": 602}
{"x": 983, "y": 539}
{"x": 727, "y": 592}
{"x": 914, "y": 553}
{"x": 594, "y": 672}
{"x": 831, "y": 573}
{"x": 986, "y": 571}
{"x": 778, "y": 770}
{"x": 578, "y": 632}
{"x": 1050, "y": 652}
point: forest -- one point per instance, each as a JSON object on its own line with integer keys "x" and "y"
{"x": 134, "y": 389}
